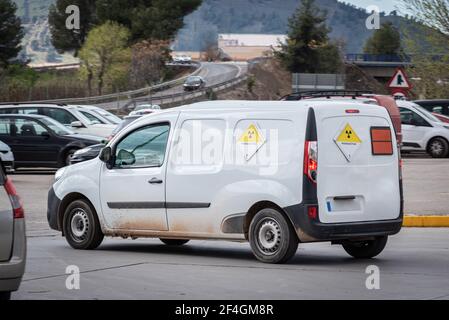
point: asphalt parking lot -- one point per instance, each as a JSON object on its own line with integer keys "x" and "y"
{"x": 414, "y": 265}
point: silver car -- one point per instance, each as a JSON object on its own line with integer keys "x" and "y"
{"x": 12, "y": 238}
{"x": 7, "y": 157}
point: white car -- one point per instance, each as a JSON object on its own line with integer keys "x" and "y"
{"x": 422, "y": 131}
{"x": 272, "y": 173}
{"x": 70, "y": 116}
{"x": 7, "y": 157}
{"x": 144, "y": 109}
{"x": 100, "y": 114}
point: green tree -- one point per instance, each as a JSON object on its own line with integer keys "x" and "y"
{"x": 308, "y": 42}
{"x": 64, "y": 39}
{"x": 105, "y": 58}
{"x": 11, "y": 32}
{"x": 385, "y": 40}
{"x": 430, "y": 67}
{"x": 146, "y": 19}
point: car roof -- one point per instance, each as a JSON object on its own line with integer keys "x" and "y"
{"x": 31, "y": 104}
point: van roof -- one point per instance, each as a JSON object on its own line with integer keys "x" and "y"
{"x": 269, "y": 105}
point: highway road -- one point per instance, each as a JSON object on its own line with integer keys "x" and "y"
{"x": 212, "y": 72}
{"x": 414, "y": 265}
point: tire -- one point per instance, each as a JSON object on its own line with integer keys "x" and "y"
{"x": 174, "y": 242}
{"x": 438, "y": 148}
{"x": 5, "y": 295}
{"x": 81, "y": 226}
{"x": 271, "y": 237}
{"x": 366, "y": 249}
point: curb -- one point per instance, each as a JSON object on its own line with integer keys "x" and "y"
{"x": 412, "y": 221}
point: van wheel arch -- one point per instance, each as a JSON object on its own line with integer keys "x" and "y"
{"x": 255, "y": 208}
{"x": 68, "y": 199}
{"x": 438, "y": 138}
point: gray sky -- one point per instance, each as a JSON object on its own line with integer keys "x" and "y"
{"x": 384, "y": 5}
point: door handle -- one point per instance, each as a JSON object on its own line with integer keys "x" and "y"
{"x": 155, "y": 181}
{"x": 344, "y": 198}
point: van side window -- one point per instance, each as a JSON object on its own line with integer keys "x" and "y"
{"x": 60, "y": 115}
{"x": 144, "y": 147}
{"x": 410, "y": 117}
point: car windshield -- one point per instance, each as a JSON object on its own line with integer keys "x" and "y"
{"x": 56, "y": 127}
{"x": 109, "y": 116}
{"x": 192, "y": 80}
{"x": 427, "y": 114}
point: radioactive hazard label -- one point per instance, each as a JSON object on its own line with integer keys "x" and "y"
{"x": 251, "y": 141}
{"x": 251, "y": 135}
{"x": 348, "y": 141}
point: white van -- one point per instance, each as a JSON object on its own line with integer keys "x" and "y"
{"x": 272, "y": 173}
{"x": 422, "y": 131}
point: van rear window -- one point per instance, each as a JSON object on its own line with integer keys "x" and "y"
{"x": 381, "y": 141}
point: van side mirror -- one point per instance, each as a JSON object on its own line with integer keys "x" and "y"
{"x": 45, "y": 134}
{"x": 106, "y": 157}
{"x": 76, "y": 124}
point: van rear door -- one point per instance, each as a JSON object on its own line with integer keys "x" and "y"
{"x": 358, "y": 164}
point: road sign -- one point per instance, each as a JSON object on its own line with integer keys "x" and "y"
{"x": 400, "y": 80}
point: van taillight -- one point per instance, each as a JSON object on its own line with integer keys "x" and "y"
{"x": 311, "y": 160}
{"x": 18, "y": 211}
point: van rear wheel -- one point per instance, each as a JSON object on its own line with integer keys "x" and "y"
{"x": 271, "y": 237}
{"x": 174, "y": 242}
{"x": 366, "y": 249}
{"x": 81, "y": 226}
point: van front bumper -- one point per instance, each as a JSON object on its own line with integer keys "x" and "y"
{"x": 310, "y": 230}
{"x": 53, "y": 204}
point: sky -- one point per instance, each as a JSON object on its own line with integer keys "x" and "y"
{"x": 384, "y": 5}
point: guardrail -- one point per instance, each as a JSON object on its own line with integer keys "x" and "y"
{"x": 186, "y": 97}
{"x": 122, "y": 95}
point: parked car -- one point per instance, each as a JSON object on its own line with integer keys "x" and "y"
{"x": 69, "y": 116}
{"x": 344, "y": 185}
{"x": 7, "y": 157}
{"x": 388, "y": 102}
{"x": 39, "y": 141}
{"x": 194, "y": 83}
{"x": 12, "y": 237}
{"x": 103, "y": 114}
{"x": 92, "y": 152}
{"x": 422, "y": 131}
{"x": 144, "y": 109}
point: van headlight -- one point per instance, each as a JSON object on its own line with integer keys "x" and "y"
{"x": 60, "y": 173}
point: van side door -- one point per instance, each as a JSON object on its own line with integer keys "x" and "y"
{"x": 132, "y": 192}
{"x": 414, "y": 128}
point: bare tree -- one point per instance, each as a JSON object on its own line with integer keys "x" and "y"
{"x": 432, "y": 13}
{"x": 148, "y": 62}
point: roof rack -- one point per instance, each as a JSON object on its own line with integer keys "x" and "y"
{"x": 31, "y": 103}
{"x": 326, "y": 94}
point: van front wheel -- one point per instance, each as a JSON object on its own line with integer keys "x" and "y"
{"x": 81, "y": 226}
{"x": 271, "y": 237}
{"x": 366, "y": 249}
